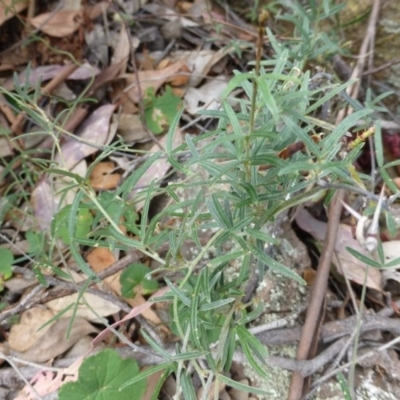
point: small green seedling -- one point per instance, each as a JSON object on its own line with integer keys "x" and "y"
{"x": 134, "y": 280}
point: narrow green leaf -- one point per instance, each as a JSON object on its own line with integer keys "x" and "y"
{"x": 187, "y": 386}
{"x": 378, "y": 144}
{"x": 216, "y": 304}
{"x": 146, "y": 373}
{"x": 275, "y": 265}
{"x": 363, "y": 258}
{"x": 183, "y": 298}
{"x": 145, "y": 213}
{"x": 240, "y": 386}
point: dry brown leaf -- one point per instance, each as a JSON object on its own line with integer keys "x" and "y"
{"x": 122, "y": 51}
{"x": 103, "y": 177}
{"x": 5, "y": 146}
{"x": 156, "y": 171}
{"x": 55, "y": 341}
{"x": 346, "y": 263}
{"x": 102, "y": 307}
{"x": 11, "y": 58}
{"x": 148, "y": 79}
{"x": 94, "y": 11}
{"x": 131, "y": 128}
{"x": 101, "y": 258}
{"x": 207, "y": 97}
{"x": 137, "y": 310}
{"x": 9, "y": 8}
{"x": 95, "y": 130}
{"x": 33, "y": 76}
{"x": 182, "y": 78}
{"x": 58, "y": 24}
{"x": 25, "y": 334}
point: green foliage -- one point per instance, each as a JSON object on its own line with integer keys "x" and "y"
{"x": 235, "y": 184}
{"x": 7, "y": 259}
{"x": 101, "y": 378}
{"x": 344, "y": 386}
{"x": 160, "y": 110}
{"x": 134, "y": 278}
{"x": 83, "y": 224}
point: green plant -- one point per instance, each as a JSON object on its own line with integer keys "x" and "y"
{"x": 269, "y": 152}
{"x": 160, "y": 110}
{"x": 7, "y": 259}
{"x": 101, "y": 377}
{"x": 135, "y": 278}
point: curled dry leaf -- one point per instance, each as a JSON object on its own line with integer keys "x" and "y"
{"x": 58, "y": 24}
{"x": 103, "y": 177}
{"x": 346, "y": 263}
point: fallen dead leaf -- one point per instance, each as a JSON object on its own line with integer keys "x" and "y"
{"x": 156, "y": 171}
{"x": 182, "y": 78}
{"x": 58, "y": 24}
{"x": 346, "y": 263}
{"x": 152, "y": 382}
{"x": 102, "y": 307}
{"x": 32, "y": 76}
{"x": 136, "y": 310}
{"x": 391, "y": 250}
{"x": 150, "y": 79}
{"x": 55, "y": 341}
{"x": 100, "y": 258}
{"x": 207, "y": 97}
{"x": 131, "y": 128}
{"x": 94, "y": 132}
{"x": 25, "y": 334}
{"x": 122, "y": 50}
{"x": 94, "y": 11}
{"x": 103, "y": 177}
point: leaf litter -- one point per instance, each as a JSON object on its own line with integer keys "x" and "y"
{"x": 131, "y": 100}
